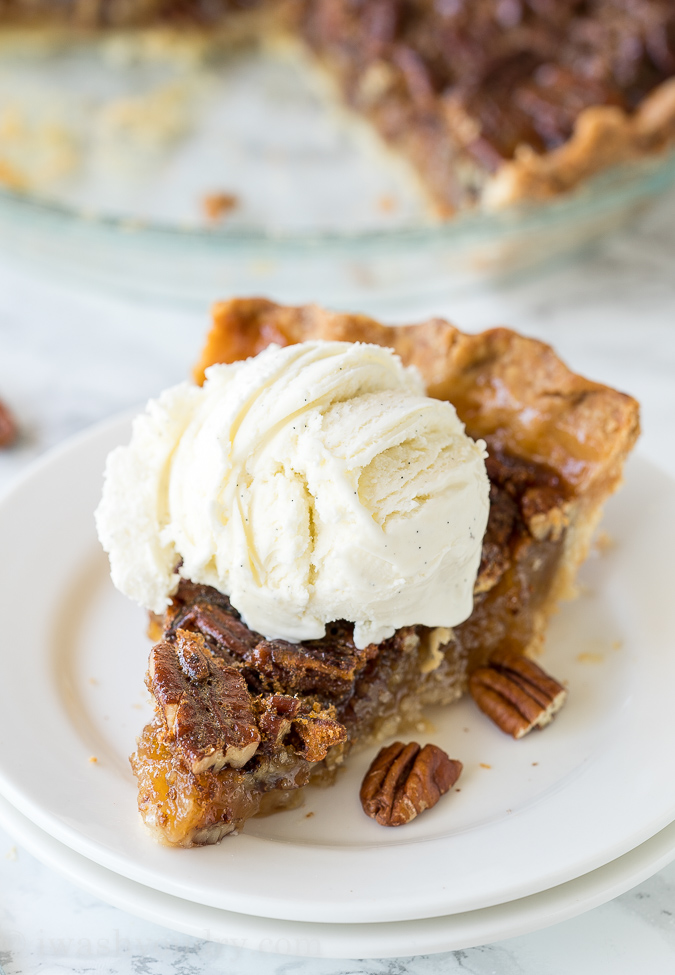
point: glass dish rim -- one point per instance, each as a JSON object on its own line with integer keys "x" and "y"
{"x": 605, "y": 191}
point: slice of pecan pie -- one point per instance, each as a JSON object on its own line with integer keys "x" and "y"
{"x": 242, "y": 723}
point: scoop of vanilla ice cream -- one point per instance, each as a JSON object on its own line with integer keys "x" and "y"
{"x": 311, "y": 483}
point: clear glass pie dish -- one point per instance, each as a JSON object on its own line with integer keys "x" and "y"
{"x": 155, "y": 166}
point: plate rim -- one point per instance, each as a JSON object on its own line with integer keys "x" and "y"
{"x": 372, "y": 940}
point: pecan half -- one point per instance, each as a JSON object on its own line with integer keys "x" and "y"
{"x": 404, "y": 780}
{"x": 205, "y": 705}
{"x": 516, "y": 693}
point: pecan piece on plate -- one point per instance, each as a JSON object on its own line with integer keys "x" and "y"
{"x": 516, "y": 693}
{"x": 404, "y": 780}
{"x": 206, "y": 706}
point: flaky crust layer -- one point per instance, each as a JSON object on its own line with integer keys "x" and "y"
{"x": 511, "y": 390}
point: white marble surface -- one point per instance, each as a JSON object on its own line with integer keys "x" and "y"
{"x": 69, "y": 358}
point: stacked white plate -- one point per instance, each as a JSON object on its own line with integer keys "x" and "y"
{"x": 535, "y": 832}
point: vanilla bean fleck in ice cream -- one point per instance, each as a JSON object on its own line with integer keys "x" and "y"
{"x": 311, "y": 483}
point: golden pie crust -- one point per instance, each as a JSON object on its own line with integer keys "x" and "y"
{"x": 604, "y": 136}
{"x": 511, "y": 390}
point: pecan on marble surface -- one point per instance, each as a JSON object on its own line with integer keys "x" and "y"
{"x": 404, "y": 780}
{"x": 205, "y": 705}
{"x": 516, "y": 693}
{"x": 8, "y": 427}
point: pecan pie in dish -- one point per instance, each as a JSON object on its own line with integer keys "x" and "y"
{"x": 243, "y": 722}
{"x": 492, "y": 101}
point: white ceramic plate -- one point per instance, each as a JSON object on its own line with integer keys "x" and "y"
{"x": 530, "y": 815}
{"x": 384, "y": 940}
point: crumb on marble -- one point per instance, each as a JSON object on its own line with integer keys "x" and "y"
{"x": 93, "y": 759}
{"x": 11, "y": 854}
{"x": 484, "y": 765}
